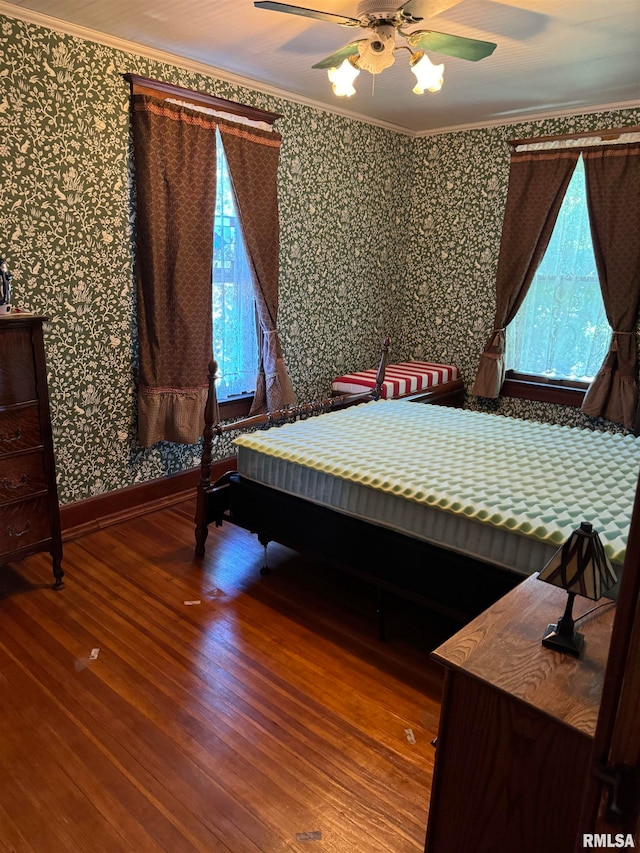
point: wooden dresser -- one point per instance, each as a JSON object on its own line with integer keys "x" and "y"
{"x": 517, "y": 727}
{"x": 29, "y": 513}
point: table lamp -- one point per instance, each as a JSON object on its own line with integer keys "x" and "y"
{"x": 581, "y": 567}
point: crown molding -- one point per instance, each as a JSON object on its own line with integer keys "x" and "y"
{"x": 14, "y": 11}
{"x": 527, "y": 117}
{"x": 137, "y": 49}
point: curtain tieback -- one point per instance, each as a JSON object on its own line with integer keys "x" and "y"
{"x": 493, "y": 341}
{"x": 614, "y": 340}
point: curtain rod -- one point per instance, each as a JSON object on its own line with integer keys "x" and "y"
{"x": 609, "y": 134}
{"x": 145, "y": 85}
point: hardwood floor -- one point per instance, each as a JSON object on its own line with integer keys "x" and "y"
{"x": 252, "y": 721}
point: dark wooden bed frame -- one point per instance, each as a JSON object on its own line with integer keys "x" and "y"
{"x": 453, "y": 584}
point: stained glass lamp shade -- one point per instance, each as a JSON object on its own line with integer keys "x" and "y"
{"x": 581, "y": 567}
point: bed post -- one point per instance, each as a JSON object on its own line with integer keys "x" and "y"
{"x": 211, "y": 428}
{"x": 210, "y": 501}
{"x": 382, "y": 367}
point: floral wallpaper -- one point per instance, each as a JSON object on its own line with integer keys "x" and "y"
{"x": 67, "y": 227}
{"x": 367, "y": 248}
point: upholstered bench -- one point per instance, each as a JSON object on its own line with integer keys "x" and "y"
{"x": 419, "y": 381}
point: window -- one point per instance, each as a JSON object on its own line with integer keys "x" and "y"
{"x": 235, "y": 345}
{"x": 561, "y": 331}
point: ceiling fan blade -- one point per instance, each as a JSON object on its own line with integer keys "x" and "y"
{"x": 339, "y": 56}
{"x": 450, "y": 45}
{"x": 308, "y": 13}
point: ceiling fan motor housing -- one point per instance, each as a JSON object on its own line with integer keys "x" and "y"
{"x": 377, "y": 10}
{"x": 373, "y": 12}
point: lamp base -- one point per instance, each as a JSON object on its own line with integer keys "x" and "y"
{"x": 571, "y": 644}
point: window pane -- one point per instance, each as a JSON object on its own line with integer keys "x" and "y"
{"x": 561, "y": 330}
{"x": 235, "y": 345}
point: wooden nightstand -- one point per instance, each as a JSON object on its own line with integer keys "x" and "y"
{"x": 29, "y": 513}
{"x": 516, "y": 727}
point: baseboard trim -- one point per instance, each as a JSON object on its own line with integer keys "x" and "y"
{"x": 91, "y": 514}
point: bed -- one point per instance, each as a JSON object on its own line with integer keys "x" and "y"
{"x": 450, "y": 507}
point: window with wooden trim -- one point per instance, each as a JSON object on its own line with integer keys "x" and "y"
{"x": 559, "y": 338}
{"x": 557, "y": 341}
{"x": 561, "y": 330}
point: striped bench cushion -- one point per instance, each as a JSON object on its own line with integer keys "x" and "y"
{"x": 408, "y": 377}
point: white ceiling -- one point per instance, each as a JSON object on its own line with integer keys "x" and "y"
{"x": 553, "y": 57}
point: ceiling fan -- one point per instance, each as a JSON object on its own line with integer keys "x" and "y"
{"x": 376, "y": 51}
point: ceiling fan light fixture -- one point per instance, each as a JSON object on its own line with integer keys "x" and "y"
{"x": 428, "y": 75}
{"x": 377, "y": 52}
{"x": 342, "y": 78}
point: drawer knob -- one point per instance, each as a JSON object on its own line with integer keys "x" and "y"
{"x": 7, "y": 439}
{"x": 15, "y": 483}
{"x": 16, "y": 534}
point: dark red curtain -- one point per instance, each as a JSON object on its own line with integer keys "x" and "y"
{"x": 613, "y": 196}
{"x": 252, "y": 155}
{"x": 538, "y": 182}
{"x": 175, "y": 177}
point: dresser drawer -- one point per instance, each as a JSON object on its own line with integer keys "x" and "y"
{"x": 19, "y": 429}
{"x": 23, "y": 524}
{"x": 21, "y": 476}
{"x": 17, "y": 367}
{"x": 29, "y": 512}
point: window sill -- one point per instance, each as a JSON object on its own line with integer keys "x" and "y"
{"x": 543, "y": 390}
{"x": 235, "y": 407}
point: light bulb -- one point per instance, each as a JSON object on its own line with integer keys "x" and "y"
{"x": 342, "y": 78}
{"x": 428, "y": 75}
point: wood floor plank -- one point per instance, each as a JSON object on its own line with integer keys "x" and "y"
{"x": 149, "y": 760}
{"x": 268, "y": 709}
